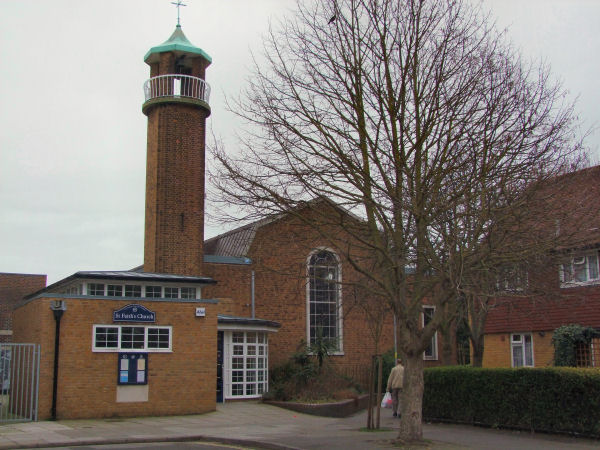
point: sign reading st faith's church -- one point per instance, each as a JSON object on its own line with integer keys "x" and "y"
{"x": 134, "y": 313}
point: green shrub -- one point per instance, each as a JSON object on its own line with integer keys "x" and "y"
{"x": 565, "y": 340}
{"x": 301, "y": 379}
{"x": 563, "y": 400}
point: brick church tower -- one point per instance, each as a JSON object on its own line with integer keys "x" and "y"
{"x": 177, "y": 107}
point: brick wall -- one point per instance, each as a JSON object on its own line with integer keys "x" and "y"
{"x": 174, "y": 232}
{"x": 497, "y": 351}
{"x": 280, "y": 251}
{"x": 181, "y": 382}
{"x": 234, "y": 282}
{"x": 13, "y": 287}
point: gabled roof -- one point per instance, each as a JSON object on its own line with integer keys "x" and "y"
{"x": 236, "y": 243}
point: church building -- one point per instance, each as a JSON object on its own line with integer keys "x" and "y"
{"x": 201, "y": 321}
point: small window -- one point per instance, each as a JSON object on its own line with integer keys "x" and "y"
{"x": 132, "y": 337}
{"x": 114, "y": 290}
{"x": 158, "y": 338}
{"x": 512, "y": 279}
{"x": 132, "y": 290}
{"x": 522, "y": 350}
{"x": 188, "y": 292}
{"x": 95, "y": 289}
{"x": 171, "y": 292}
{"x": 153, "y": 291}
{"x": 580, "y": 269}
{"x": 106, "y": 337}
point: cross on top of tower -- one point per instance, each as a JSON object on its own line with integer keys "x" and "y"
{"x": 177, "y": 4}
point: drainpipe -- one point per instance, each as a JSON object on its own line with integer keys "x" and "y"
{"x": 252, "y": 293}
{"x": 58, "y": 307}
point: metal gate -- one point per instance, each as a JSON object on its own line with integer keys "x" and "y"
{"x": 20, "y": 377}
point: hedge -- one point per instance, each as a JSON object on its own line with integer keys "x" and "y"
{"x": 556, "y": 400}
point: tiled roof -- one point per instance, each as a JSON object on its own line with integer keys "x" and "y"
{"x": 235, "y": 243}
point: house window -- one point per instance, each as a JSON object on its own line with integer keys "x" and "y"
{"x": 114, "y": 290}
{"x": 133, "y": 290}
{"x": 113, "y": 338}
{"x": 512, "y": 279}
{"x": 522, "y": 350}
{"x": 188, "y": 292}
{"x": 249, "y": 364}
{"x": 95, "y": 289}
{"x": 153, "y": 291}
{"x": 324, "y": 298}
{"x": 581, "y": 268}
{"x": 430, "y": 352}
{"x": 171, "y": 292}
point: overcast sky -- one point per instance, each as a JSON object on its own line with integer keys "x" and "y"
{"x": 73, "y": 137}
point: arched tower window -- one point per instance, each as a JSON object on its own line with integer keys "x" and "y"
{"x": 324, "y": 302}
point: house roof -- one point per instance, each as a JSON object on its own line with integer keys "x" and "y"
{"x": 236, "y": 243}
{"x": 579, "y": 305}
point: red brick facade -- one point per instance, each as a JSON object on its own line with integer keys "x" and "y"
{"x": 280, "y": 251}
{"x": 13, "y": 287}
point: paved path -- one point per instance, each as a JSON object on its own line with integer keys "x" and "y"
{"x": 264, "y": 426}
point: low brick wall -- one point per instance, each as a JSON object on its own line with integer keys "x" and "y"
{"x": 344, "y": 408}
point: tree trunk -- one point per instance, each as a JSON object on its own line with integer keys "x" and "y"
{"x": 371, "y": 395}
{"x": 411, "y": 427}
{"x": 477, "y": 359}
{"x": 447, "y": 356}
{"x": 379, "y": 379}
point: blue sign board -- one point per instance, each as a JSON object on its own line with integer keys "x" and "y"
{"x": 134, "y": 313}
{"x": 133, "y": 368}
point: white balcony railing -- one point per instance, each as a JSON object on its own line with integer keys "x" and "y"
{"x": 177, "y": 86}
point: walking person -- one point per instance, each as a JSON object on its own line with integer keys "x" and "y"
{"x": 395, "y": 383}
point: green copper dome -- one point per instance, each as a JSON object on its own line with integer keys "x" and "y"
{"x": 177, "y": 43}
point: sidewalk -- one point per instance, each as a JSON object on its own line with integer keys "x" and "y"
{"x": 265, "y": 426}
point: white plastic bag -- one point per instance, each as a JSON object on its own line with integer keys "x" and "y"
{"x": 386, "y": 402}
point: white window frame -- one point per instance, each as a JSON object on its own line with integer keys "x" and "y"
{"x": 433, "y": 345}
{"x": 230, "y": 349}
{"x": 517, "y": 340}
{"x": 119, "y": 348}
{"x": 197, "y": 291}
{"x": 340, "y": 315}
{"x": 514, "y": 278}
{"x": 578, "y": 259}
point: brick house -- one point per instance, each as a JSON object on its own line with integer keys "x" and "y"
{"x": 13, "y": 287}
{"x": 519, "y": 329}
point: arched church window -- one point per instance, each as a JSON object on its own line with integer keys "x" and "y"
{"x": 324, "y": 303}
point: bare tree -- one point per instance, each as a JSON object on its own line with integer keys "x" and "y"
{"x": 412, "y": 114}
